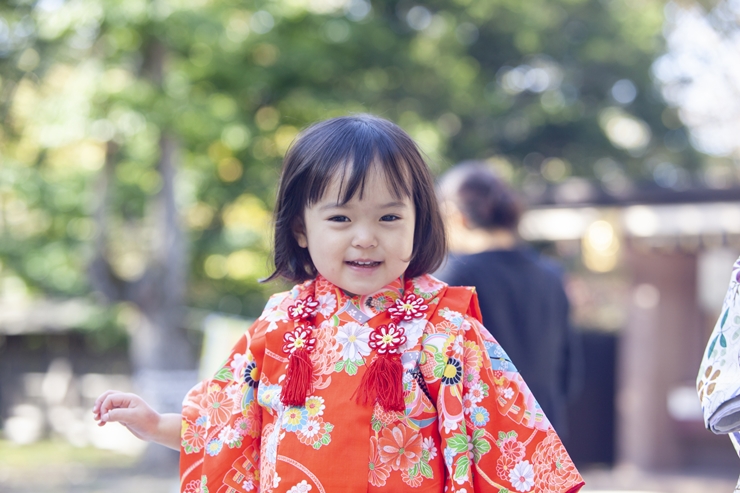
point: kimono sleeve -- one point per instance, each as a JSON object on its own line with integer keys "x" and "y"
{"x": 494, "y": 435}
{"x": 718, "y": 382}
{"x": 221, "y": 424}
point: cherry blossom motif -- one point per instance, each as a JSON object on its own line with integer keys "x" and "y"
{"x": 387, "y": 338}
{"x": 303, "y": 309}
{"x": 300, "y": 338}
{"x": 408, "y": 308}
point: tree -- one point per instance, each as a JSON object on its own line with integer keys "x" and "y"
{"x": 698, "y": 78}
{"x": 126, "y": 119}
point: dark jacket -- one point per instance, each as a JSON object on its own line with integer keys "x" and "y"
{"x": 525, "y": 308}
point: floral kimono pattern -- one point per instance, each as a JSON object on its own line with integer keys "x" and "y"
{"x": 718, "y": 382}
{"x": 470, "y": 423}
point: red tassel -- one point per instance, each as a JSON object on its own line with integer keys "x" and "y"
{"x": 383, "y": 382}
{"x": 297, "y": 383}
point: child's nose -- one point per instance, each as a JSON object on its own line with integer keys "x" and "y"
{"x": 364, "y": 238}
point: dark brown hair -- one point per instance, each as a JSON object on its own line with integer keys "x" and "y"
{"x": 348, "y": 147}
{"x": 483, "y": 198}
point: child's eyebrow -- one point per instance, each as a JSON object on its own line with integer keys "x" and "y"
{"x": 397, "y": 203}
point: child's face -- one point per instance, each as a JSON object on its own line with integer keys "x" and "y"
{"x": 364, "y": 244}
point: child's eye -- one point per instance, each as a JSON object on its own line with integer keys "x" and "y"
{"x": 390, "y": 217}
{"x": 339, "y": 219}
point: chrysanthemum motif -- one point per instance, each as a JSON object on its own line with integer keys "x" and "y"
{"x": 300, "y": 338}
{"x": 294, "y": 418}
{"x": 553, "y": 469}
{"x": 452, "y": 372}
{"x": 387, "y": 338}
{"x": 522, "y": 476}
{"x": 303, "y": 309}
{"x": 195, "y": 486}
{"x": 479, "y": 416}
{"x": 251, "y": 375}
{"x": 408, "y": 308}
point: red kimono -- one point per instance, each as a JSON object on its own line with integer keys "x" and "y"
{"x": 470, "y": 423}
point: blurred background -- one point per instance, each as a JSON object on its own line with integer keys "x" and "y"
{"x": 141, "y": 140}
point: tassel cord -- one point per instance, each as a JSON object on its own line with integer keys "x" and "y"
{"x": 298, "y": 379}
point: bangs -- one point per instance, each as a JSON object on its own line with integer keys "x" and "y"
{"x": 348, "y": 155}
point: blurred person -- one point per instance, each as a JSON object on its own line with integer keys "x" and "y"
{"x": 718, "y": 382}
{"x": 370, "y": 374}
{"x": 522, "y": 298}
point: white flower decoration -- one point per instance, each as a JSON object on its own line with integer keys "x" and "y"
{"x": 327, "y": 304}
{"x": 522, "y": 476}
{"x": 354, "y": 338}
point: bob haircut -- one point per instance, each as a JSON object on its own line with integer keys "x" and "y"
{"x": 348, "y": 148}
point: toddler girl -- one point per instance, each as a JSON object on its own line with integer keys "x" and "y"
{"x": 370, "y": 374}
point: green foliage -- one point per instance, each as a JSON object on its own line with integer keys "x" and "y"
{"x": 527, "y": 85}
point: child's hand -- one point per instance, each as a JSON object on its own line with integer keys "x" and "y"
{"x": 135, "y": 414}
{"x": 130, "y": 410}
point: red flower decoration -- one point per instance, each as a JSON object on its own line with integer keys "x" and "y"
{"x": 408, "y": 308}
{"x": 387, "y": 338}
{"x": 303, "y": 309}
{"x": 301, "y": 338}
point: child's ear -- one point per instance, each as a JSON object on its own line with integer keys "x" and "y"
{"x": 299, "y": 233}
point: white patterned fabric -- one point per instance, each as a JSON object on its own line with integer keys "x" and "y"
{"x": 718, "y": 382}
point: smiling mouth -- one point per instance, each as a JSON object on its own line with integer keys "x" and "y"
{"x": 368, "y": 263}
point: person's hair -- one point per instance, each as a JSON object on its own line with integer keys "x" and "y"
{"x": 347, "y": 148}
{"x": 483, "y": 198}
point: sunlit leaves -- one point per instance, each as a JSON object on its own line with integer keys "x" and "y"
{"x": 524, "y": 84}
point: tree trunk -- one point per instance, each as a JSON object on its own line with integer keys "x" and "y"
{"x": 162, "y": 358}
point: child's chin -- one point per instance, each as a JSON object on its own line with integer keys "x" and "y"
{"x": 358, "y": 288}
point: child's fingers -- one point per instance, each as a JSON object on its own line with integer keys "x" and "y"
{"x": 99, "y": 402}
{"x": 115, "y": 400}
{"x": 118, "y": 415}
{"x": 100, "y": 399}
